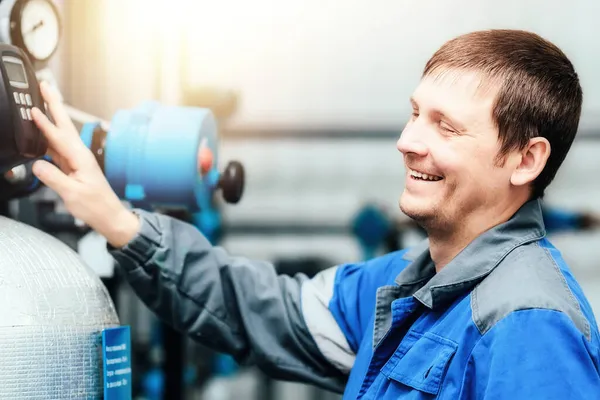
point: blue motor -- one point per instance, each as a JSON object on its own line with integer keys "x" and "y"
{"x": 164, "y": 156}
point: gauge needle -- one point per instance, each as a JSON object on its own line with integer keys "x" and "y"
{"x": 36, "y": 26}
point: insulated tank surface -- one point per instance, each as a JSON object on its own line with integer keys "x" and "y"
{"x": 54, "y": 309}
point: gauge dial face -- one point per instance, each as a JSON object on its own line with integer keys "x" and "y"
{"x": 40, "y": 28}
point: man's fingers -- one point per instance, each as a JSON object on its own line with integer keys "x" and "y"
{"x": 50, "y": 131}
{"x": 57, "y": 110}
{"x": 57, "y": 142}
{"x": 48, "y": 128}
{"x": 53, "y": 177}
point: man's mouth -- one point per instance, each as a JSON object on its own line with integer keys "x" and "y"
{"x": 421, "y": 176}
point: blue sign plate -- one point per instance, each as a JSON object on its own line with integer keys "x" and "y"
{"x": 116, "y": 357}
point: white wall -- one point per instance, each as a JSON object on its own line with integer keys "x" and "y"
{"x": 328, "y": 62}
{"x": 312, "y": 63}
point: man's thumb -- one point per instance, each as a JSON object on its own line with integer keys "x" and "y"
{"x": 52, "y": 176}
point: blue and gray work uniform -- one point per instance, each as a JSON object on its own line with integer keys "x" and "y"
{"x": 505, "y": 319}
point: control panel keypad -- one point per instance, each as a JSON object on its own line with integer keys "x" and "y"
{"x": 24, "y": 100}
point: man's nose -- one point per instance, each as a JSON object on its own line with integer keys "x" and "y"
{"x": 411, "y": 141}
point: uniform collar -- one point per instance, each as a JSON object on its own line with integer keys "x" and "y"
{"x": 474, "y": 262}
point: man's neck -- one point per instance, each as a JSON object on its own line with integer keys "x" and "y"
{"x": 444, "y": 247}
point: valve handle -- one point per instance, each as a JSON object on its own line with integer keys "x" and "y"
{"x": 232, "y": 182}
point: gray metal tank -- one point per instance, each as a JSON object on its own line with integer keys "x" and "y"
{"x": 53, "y": 309}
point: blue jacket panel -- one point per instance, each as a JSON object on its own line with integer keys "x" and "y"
{"x": 505, "y": 319}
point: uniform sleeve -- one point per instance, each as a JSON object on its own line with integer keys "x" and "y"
{"x": 533, "y": 354}
{"x": 242, "y": 307}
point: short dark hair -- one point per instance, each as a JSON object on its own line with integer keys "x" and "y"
{"x": 538, "y": 90}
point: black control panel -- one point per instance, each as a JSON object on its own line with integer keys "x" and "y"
{"x": 20, "y": 139}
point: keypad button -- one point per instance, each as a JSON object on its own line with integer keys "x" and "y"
{"x": 28, "y": 111}
{"x": 16, "y": 96}
{"x": 28, "y": 99}
{"x": 23, "y": 113}
{"x": 23, "y": 101}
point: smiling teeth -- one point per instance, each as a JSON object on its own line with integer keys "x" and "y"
{"x": 419, "y": 175}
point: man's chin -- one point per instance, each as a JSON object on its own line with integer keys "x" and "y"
{"x": 416, "y": 209}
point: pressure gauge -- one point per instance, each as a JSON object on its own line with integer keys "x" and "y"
{"x": 32, "y": 25}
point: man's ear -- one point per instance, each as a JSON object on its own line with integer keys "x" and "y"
{"x": 533, "y": 160}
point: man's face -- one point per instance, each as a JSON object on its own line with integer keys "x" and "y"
{"x": 450, "y": 147}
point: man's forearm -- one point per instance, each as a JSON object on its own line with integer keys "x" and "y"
{"x": 231, "y": 304}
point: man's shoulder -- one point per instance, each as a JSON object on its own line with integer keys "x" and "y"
{"x": 396, "y": 261}
{"x": 393, "y": 263}
{"x": 402, "y": 257}
{"x": 535, "y": 278}
{"x": 370, "y": 275}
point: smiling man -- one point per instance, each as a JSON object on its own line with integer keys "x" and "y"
{"x": 485, "y": 309}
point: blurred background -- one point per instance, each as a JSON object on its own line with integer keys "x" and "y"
{"x": 311, "y": 97}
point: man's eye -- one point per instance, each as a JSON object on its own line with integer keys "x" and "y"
{"x": 447, "y": 127}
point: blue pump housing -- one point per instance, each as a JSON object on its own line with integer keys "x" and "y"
{"x": 151, "y": 155}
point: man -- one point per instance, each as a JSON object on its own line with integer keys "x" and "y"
{"x": 486, "y": 309}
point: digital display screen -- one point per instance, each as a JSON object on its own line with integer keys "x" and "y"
{"x": 15, "y": 72}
